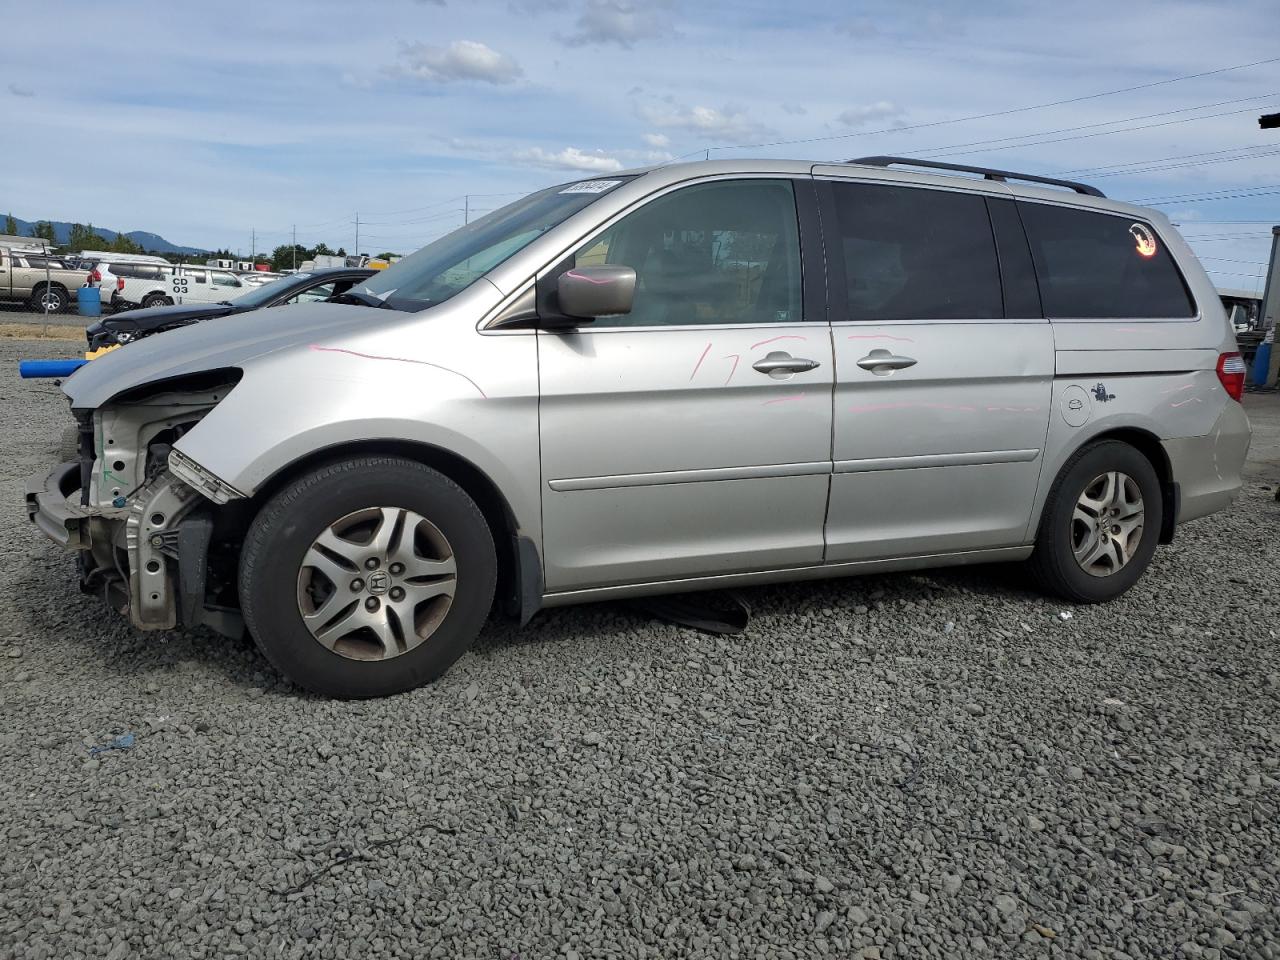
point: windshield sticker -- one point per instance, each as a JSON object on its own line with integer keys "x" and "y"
{"x": 591, "y": 186}
{"x": 1145, "y": 239}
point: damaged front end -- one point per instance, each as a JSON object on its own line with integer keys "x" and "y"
{"x": 151, "y": 533}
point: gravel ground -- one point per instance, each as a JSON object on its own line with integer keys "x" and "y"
{"x": 898, "y": 767}
{"x": 18, "y": 313}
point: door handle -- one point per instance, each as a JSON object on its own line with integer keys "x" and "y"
{"x": 882, "y": 362}
{"x": 780, "y": 365}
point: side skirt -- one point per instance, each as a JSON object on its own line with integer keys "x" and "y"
{"x": 820, "y": 572}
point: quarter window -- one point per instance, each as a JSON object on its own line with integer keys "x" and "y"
{"x": 916, "y": 254}
{"x": 1097, "y": 265}
{"x": 725, "y": 252}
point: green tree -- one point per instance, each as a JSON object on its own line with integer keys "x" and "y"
{"x": 342, "y": 252}
{"x": 124, "y": 244}
{"x": 10, "y": 226}
{"x": 288, "y": 255}
{"x": 85, "y": 238}
{"x": 321, "y": 250}
{"x": 43, "y": 230}
{"x": 387, "y": 255}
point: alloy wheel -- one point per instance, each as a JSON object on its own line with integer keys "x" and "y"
{"x": 1107, "y": 524}
{"x": 376, "y": 583}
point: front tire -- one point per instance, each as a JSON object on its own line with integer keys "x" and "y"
{"x": 1100, "y": 525}
{"x": 367, "y": 577}
{"x": 156, "y": 300}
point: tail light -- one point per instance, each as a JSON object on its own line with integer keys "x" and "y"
{"x": 95, "y": 275}
{"x": 1231, "y": 370}
{"x": 119, "y": 283}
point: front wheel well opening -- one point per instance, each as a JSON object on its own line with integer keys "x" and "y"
{"x": 1148, "y": 444}
{"x": 493, "y": 505}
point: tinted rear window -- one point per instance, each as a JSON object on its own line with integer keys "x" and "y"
{"x": 1097, "y": 265}
{"x": 916, "y": 254}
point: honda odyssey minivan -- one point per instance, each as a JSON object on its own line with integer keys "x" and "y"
{"x": 670, "y": 379}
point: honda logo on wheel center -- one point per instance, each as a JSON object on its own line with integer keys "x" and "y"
{"x": 379, "y": 582}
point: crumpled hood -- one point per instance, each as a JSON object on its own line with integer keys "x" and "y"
{"x": 230, "y": 342}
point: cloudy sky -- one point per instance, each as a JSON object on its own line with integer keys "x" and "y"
{"x": 202, "y": 123}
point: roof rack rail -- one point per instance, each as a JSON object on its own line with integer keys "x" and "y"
{"x": 987, "y": 172}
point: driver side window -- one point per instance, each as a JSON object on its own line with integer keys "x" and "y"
{"x": 722, "y": 252}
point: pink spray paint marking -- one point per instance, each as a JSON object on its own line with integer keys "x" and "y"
{"x": 879, "y": 336}
{"x": 796, "y": 396}
{"x": 699, "y": 363}
{"x": 425, "y": 363}
{"x": 578, "y": 276}
{"x": 785, "y": 336}
{"x": 735, "y": 357}
{"x": 1183, "y": 403}
{"x": 1185, "y": 386}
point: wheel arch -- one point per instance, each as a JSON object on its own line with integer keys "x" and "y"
{"x": 1149, "y": 445}
{"x": 519, "y": 560}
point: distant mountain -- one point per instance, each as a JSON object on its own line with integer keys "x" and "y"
{"x": 148, "y": 241}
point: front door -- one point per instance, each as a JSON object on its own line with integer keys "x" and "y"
{"x": 944, "y": 367}
{"x": 692, "y": 437}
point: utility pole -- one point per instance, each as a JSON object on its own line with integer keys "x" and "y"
{"x": 357, "y": 233}
{"x": 253, "y": 246}
{"x": 295, "y": 248}
{"x": 466, "y": 209}
{"x": 1271, "y": 313}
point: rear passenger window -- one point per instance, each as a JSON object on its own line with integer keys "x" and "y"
{"x": 915, "y": 254}
{"x": 1097, "y": 265}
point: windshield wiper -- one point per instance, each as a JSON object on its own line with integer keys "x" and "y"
{"x": 360, "y": 298}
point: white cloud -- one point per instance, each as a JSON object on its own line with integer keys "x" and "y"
{"x": 657, "y": 140}
{"x": 20, "y": 91}
{"x": 570, "y": 158}
{"x": 620, "y": 22}
{"x": 877, "y": 112}
{"x": 461, "y": 60}
{"x": 727, "y": 123}
{"x": 795, "y": 109}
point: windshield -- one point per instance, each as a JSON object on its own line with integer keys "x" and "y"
{"x": 455, "y": 261}
{"x": 258, "y": 296}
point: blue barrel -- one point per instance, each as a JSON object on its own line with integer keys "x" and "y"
{"x": 1262, "y": 363}
{"x": 90, "y": 301}
{"x": 36, "y": 369}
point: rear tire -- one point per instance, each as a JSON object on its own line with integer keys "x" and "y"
{"x": 316, "y": 553}
{"x": 156, "y": 300}
{"x": 1100, "y": 525}
{"x": 52, "y": 296}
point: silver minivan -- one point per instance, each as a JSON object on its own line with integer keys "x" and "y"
{"x": 680, "y": 378}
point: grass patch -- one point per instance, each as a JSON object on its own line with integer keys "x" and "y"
{"x": 36, "y": 331}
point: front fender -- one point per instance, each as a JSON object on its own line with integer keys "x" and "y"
{"x": 471, "y": 394}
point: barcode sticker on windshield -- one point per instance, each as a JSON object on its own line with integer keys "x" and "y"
{"x": 591, "y": 186}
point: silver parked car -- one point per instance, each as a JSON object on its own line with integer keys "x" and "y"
{"x": 679, "y": 378}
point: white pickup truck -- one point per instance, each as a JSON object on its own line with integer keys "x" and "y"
{"x": 153, "y": 286}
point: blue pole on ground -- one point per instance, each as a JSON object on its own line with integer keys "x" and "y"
{"x": 36, "y": 369}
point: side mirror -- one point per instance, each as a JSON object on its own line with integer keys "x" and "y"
{"x": 601, "y": 291}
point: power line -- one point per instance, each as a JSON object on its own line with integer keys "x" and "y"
{"x": 1150, "y": 165}
{"x": 1103, "y": 133}
{"x": 983, "y": 116}
{"x": 1266, "y": 190}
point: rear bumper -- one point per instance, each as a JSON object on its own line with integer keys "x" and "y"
{"x": 1207, "y": 469}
